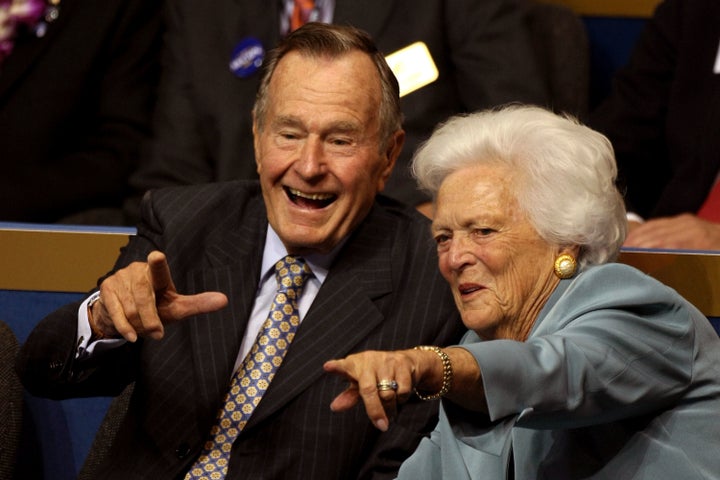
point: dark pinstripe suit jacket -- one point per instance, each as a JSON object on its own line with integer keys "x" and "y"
{"x": 383, "y": 291}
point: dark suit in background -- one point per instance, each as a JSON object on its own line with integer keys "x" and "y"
{"x": 663, "y": 115}
{"x": 74, "y": 106}
{"x": 382, "y": 291}
{"x": 203, "y": 128}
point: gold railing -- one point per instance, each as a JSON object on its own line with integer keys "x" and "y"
{"x": 696, "y": 276}
{"x": 72, "y": 261}
{"x": 610, "y": 8}
{"x": 56, "y": 260}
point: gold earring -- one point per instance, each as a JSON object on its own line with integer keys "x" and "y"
{"x": 565, "y": 266}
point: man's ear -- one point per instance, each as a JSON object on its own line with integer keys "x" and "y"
{"x": 256, "y": 144}
{"x": 391, "y": 154}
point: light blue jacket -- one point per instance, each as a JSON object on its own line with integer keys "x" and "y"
{"x": 619, "y": 379}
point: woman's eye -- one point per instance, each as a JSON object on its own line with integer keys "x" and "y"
{"x": 484, "y": 232}
{"x": 441, "y": 238}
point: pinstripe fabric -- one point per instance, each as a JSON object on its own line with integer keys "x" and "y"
{"x": 252, "y": 379}
{"x": 383, "y": 291}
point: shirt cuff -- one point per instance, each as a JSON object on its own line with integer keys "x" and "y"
{"x": 84, "y": 347}
{"x": 634, "y": 217}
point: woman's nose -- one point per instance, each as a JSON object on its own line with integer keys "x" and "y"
{"x": 459, "y": 253}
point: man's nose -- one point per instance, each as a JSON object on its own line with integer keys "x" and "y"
{"x": 311, "y": 162}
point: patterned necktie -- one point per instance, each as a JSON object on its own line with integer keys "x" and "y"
{"x": 301, "y": 13}
{"x": 253, "y": 377}
{"x": 710, "y": 210}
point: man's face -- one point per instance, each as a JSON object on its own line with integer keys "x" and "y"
{"x": 319, "y": 155}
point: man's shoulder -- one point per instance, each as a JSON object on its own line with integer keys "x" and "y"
{"x": 203, "y": 203}
{"x": 394, "y": 211}
{"x": 398, "y": 222}
{"x": 396, "y": 230}
{"x": 207, "y": 193}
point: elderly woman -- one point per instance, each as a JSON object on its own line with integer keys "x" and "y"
{"x": 573, "y": 366}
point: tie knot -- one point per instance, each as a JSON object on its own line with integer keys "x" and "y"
{"x": 291, "y": 273}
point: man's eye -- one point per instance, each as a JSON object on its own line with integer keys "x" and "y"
{"x": 340, "y": 142}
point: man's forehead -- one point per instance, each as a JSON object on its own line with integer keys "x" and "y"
{"x": 344, "y": 81}
{"x": 302, "y": 59}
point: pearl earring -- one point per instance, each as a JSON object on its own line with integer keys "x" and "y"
{"x": 565, "y": 266}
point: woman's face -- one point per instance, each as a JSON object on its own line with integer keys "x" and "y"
{"x": 499, "y": 269}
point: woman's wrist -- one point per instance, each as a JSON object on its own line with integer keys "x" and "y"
{"x": 447, "y": 374}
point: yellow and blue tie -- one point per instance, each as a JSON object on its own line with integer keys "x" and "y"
{"x": 252, "y": 379}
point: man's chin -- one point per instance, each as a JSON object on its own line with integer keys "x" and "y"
{"x": 302, "y": 241}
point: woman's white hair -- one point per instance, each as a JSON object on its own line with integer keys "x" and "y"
{"x": 565, "y": 172}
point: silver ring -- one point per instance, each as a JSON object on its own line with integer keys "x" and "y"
{"x": 385, "y": 385}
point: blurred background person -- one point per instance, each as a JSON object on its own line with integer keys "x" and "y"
{"x": 663, "y": 119}
{"x": 573, "y": 366}
{"x": 77, "y": 82}
{"x": 210, "y": 74}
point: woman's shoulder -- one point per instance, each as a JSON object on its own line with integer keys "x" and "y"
{"x": 614, "y": 276}
{"x": 617, "y": 286}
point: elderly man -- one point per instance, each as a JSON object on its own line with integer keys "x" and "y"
{"x": 222, "y": 389}
{"x": 202, "y": 131}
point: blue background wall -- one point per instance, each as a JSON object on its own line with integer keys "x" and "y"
{"x": 57, "y": 435}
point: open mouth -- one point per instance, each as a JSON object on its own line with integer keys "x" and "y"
{"x": 309, "y": 200}
{"x": 468, "y": 289}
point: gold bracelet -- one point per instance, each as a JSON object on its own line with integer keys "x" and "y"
{"x": 447, "y": 373}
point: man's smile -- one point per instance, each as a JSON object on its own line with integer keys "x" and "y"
{"x": 310, "y": 200}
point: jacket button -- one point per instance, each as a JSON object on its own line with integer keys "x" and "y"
{"x": 182, "y": 450}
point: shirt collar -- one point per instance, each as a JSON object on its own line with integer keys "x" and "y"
{"x": 275, "y": 250}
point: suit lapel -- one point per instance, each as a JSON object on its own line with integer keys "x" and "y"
{"x": 234, "y": 256}
{"x": 343, "y": 314}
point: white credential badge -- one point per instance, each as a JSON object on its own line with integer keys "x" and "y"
{"x": 413, "y": 66}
